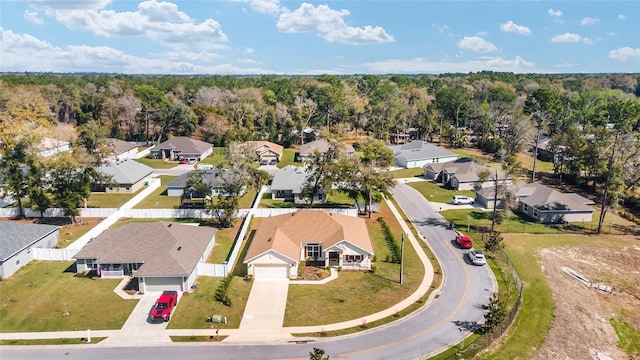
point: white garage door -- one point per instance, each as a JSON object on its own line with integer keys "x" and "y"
{"x": 162, "y": 283}
{"x": 271, "y": 271}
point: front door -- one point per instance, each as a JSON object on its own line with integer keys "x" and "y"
{"x": 334, "y": 259}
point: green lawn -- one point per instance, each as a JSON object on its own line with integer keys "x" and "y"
{"x": 407, "y": 173}
{"x": 109, "y": 200}
{"x": 436, "y": 192}
{"x": 217, "y": 157}
{"x": 194, "y": 308}
{"x": 541, "y": 166}
{"x": 288, "y": 155}
{"x": 335, "y": 199}
{"x": 159, "y": 199}
{"x": 158, "y": 163}
{"x": 63, "y": 341}
{"x": 46, "y": 296}
{"x": 341, "y": 299}
{"x": 224, "y": 241}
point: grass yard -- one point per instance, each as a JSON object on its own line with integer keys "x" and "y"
{"x": 193, "y": 309}
{"x": 63, "y": 341}
{"x": 224, "y": 241}
{"x": 288, "y": 157}
{"x": 159, "y": 199}
{"x": 407, "y": 173}
{"x": 158, "y": 163}
{"x": 438, "y": 193}
{"x": 335, "y": 199}
{"x": 46, "y": 296}
{"x": 469, "y": 220}
{"x": 341, "y": 299}
{"x": 71, "y": 233}
{"x": 105, "y": 200}
{"x": 541, "y": 166}
{"x": 217, "y": 157}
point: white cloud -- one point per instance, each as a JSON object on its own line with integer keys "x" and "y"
{"x": 271, "y": 7}
{"x": 589, "y": 21}
{"x": 510, "y": 26}
{"x": 329, "y": 24}
{"x": 23, "y": 52}
{"x": 622, "y": 17}
{"x": 33, "y": 17}
{"x": 477, "y": 44}
{"x": 571, "y": 38}
{"x": 159, "y": 21}
{"x": 421, "y": 65}
{"x": 201, "y": 57}
{"x": 555, "y": 13}
{"x": 249, "y": 61}
{"x": 625, "y": 53}
{"x": 249, "y": 50}
{"x": 70, "y": 4}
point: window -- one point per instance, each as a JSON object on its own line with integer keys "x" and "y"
{"x": 313, "y": 251}
{"x": 526, "y": 207}
{"x": 353, "y": 258}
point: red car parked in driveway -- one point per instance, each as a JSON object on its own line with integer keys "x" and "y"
{"x": 464, "y": 241}
{"x": 164, "y": 306}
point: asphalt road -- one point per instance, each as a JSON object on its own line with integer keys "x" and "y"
{"x": 431, "y": 329}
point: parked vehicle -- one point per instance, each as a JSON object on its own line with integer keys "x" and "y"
{"x": 462, "y": 200}
{"x": 264, "y": 162}
{"x": 164, "y": 306}
{"x": 273, "y": 162}
{"x": 464, "y": 241}
{"x": 184, "y": 161}
{"x": 477, "y": 257}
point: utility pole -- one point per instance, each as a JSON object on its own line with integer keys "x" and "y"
{"x": 401, "y": 256}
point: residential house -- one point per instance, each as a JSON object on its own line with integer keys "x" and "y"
{"x": 161, "y": 255}
{"x": 546, "y": 151}
{"x": 127, "y": 176}
{"x": 214, "y": 177}
{"x": 322, "y": 146}
{"x": 418, "y": 153}
{"x": 462, "y": 174}
{"x": 266, "y": 150}
{"x": 182, "y": 147}
{"x": 49, "y": 146}
{"x": 17, "y": 241}
{"x": 121, "y": 150}
{"x": 287, "y": 185}
{"x": 282, "y": 242}
{"x": 542, "y": 203}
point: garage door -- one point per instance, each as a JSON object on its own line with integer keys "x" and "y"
{"x": 162, "y": 283}
{"x": 271, "y": 271}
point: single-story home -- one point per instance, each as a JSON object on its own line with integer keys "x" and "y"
{"x": 182, "y": 147}
{"x": 287, "y": 185}
{"x": 282, "y": 242}
{"x": 121, "y": 150}
{"x": 161, "y": 255}
{"x": 17, "y": 241}
{"x": 266, "y": 150}
{"x": 462, "y": 174}
{"x": 542, "y": 203}
{"x": 128, "y": 175}
{"x": 418, "y": 153}
{"x": 322, "y": 146}
{"x": 214, "y": 177}
{"x": 49, "y": 146}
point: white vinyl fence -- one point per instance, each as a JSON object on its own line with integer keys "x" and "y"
{"x": 217, "y": 270}
{"x": 54, "y": 254}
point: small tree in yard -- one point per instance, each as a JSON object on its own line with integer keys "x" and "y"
{"x": 494, "y": 242}
{"x": 495, "y": 313}
{"x": 317, "y": 354}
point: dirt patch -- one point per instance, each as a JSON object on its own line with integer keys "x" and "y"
{"x": 582, "y": 327}
{"x": 314, "y": 273}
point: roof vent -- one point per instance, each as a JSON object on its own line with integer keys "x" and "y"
{"x": 179, "y": 248}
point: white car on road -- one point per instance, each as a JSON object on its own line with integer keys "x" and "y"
{"x": 476, "y": 257}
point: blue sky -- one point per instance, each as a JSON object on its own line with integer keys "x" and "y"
{"x": 335, "y": 37}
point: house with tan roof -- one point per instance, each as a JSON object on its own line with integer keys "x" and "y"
{"x": 462, "y": 174}
{"x": 121, "y": 150}
{"x": 182, "y": 147}
{"x": 161, "y": 255}
{"x": 266, "y": 150}
{"x": 281, "y": 242}
{"x": 322, "y": 146}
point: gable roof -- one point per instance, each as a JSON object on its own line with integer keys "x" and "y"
{"x": 289, "y": 177}
{"x": 420, "y": 150}
{"x": 163, "y": 248}
{"x": 285, "y": 234}
{"x": 126, "y": 171}
{"x": 210, "y": 177}
{"x": 545, "y": 198}
{"x": 266, "y": 146}
{"x": 15, "y": 236}
{"x": 322, "y": 145}
{"x": 119, "y": 147}
{"x": 185, "y": 145}
{"x": 464, "y": 169}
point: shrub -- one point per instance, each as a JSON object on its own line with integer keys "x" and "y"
{"x": 221, "y": 291}
{"x": 392, "y": 243}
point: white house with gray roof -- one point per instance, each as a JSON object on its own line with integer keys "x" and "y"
{"x": 128, "y": 176}
{"x": 213, "y": 177}
{"x": 121, "y": 150}
{"x": 17, "y": 241}
{"x": 418, "y": 153}
{"x": 287, "y": 185}
{"x": 162, "y": 255}
{"x": 182, "y": 147}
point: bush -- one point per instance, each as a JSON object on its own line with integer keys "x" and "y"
{"x": 391, "y": 243}
{"x": 221, "y": 291}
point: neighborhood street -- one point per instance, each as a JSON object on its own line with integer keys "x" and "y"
{"x": 432, "y": 329}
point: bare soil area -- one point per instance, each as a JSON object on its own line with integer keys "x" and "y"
{"x": 582, "y": 327}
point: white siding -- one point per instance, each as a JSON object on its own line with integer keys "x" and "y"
{"x": 20, "y": 259}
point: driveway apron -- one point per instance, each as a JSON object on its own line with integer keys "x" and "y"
{"x": 139, "y": 329}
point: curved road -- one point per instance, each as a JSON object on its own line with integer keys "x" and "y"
{"x": 431, "y": 329}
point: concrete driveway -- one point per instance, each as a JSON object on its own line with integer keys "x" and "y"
{"x": 264, "y": 313}
{"x": 139, "y": 329}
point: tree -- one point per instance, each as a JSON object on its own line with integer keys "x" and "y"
{"x": 152, "y": 100}
{"x": 18, "y": 159}
{"x": 494, "y": 242}
{"x": 495, "y": 313}
{"x": 544, "y": 106}
{"x": 317, "y": 354}
{"x": 510, "y": 168}
{"x": 71, "y": 177}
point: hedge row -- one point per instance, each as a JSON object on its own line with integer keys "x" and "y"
{"x": 221, "y": 291}
{"x": 391, "y": 243}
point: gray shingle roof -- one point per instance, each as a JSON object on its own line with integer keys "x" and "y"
{"x": 289, "y": 177}
{"x": 185, "y": 145}
{"x": 210, "y": 177}
{"x": 322, "y": 146}
{"x": 545, "y": 198}
{"x": 15, "y": 236}
{"x": 164, "y": 248}
{"x": 420, "y": 150}
{"x": 118, "y": 146}
{"x": 126, "y": 172}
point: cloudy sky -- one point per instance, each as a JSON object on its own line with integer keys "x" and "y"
{"x": 335, "y": 37}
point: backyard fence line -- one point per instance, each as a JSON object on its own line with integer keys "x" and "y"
{"x": 54, "y": 254}
{"x": 277, "y": 211}
{"x": 214, "y": 270}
